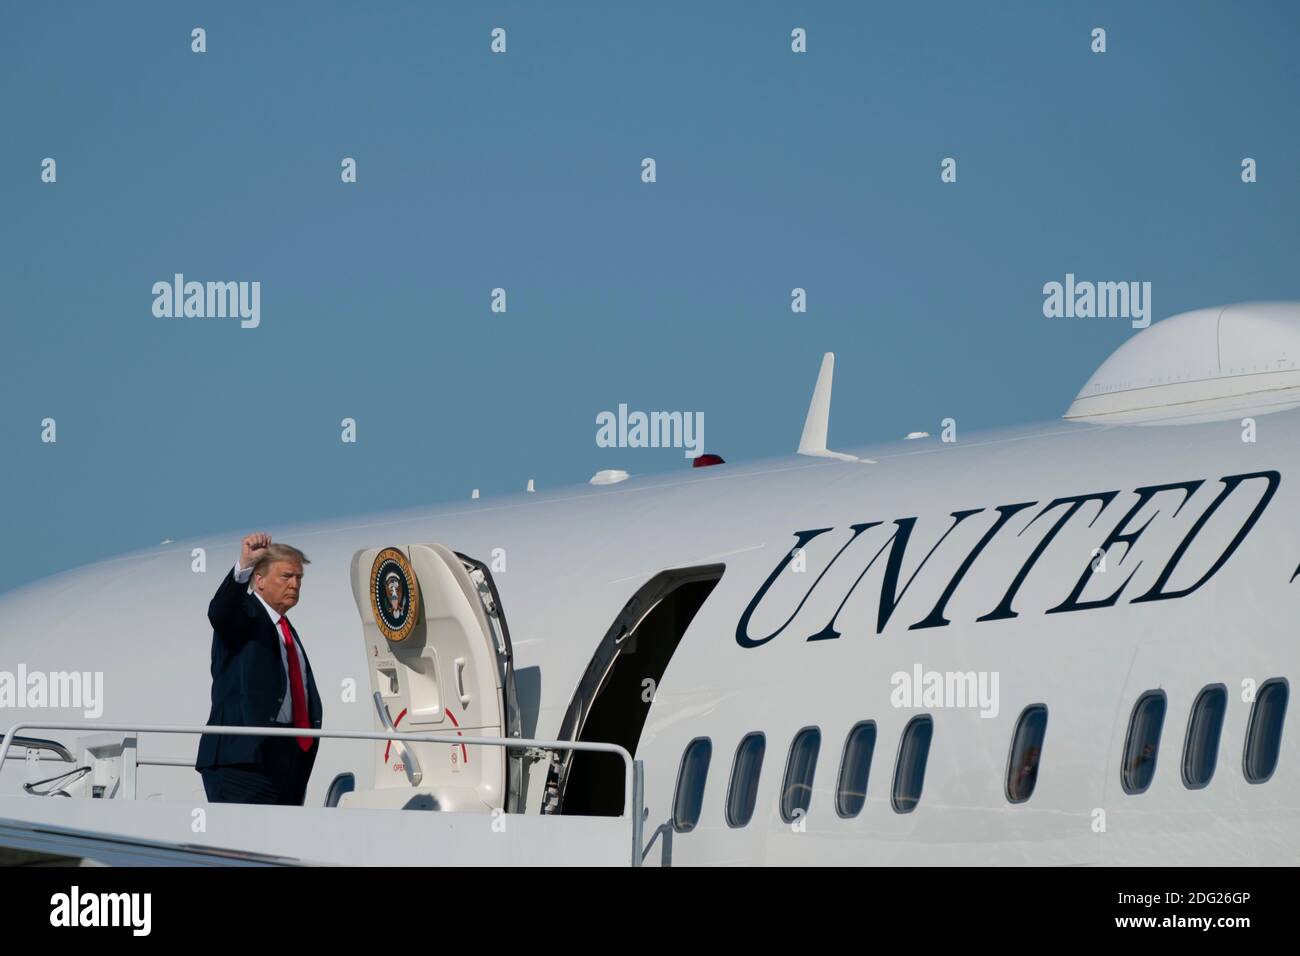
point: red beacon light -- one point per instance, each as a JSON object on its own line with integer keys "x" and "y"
{"x": 704, "y": 461}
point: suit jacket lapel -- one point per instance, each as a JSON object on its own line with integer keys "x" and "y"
{"x": 253, "y": 607}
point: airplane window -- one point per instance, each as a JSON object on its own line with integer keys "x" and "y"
{"x": 742, "y": 793}
{"x": 851, "y": 793}
{"x": 341, "y": 784}
{"x": 1201, "y": 751}
{"x": 1264, "y": 734}
{"x": 690, "y": 784}
{"x": 796, "y": 791}
{"x": 1143, "y": 742}
{"x": 913, "y": 752}
{"x": 1026, "y": 751}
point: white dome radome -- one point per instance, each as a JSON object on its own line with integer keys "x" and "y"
{"x": 1206, "y": 364}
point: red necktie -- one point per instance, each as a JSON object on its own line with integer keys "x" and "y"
{"x": 295, "y": 684}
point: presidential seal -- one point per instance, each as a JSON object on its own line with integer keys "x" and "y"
{"x": 394, "y": 594}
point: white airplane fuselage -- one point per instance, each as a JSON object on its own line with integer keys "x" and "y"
{"x": 775, "y": 649}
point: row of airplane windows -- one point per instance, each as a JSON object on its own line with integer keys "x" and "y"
{"x": 1142, "y": 744}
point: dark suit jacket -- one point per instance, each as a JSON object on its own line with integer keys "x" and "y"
{"x": 249, "y": 683}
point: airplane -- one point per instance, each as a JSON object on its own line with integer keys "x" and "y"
{"x": 1061, "y": 644}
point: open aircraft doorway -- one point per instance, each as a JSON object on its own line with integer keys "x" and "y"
{"x": 617, "y": 689}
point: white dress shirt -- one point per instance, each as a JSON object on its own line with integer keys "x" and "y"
{"x": 286, "y": 709}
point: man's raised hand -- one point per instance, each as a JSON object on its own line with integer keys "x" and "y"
{"x": 254, "y": 546}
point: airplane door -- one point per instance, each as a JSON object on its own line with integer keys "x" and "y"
{"x": 440, "y": 662}
{"x": 610, "y": 704}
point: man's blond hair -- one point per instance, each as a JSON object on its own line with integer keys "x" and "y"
{"x": 278, "y": 552}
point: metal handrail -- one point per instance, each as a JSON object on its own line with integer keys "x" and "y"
{"x": 410, "y": 762}
{"x": 632, "y": 781}
{"x": 39, "y": 743}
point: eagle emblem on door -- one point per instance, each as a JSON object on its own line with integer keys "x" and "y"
{"x": 394, "y": 594}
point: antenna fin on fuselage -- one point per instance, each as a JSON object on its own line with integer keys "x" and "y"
{"x": 815, "y": 426}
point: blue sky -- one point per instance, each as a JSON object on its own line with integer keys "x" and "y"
{"x": 522, "y": 171}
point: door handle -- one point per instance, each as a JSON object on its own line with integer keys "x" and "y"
{"x": 460, "y": 683}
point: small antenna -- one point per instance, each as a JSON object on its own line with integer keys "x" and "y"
{"x": 816, "y": 425}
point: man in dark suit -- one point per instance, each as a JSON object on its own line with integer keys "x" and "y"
{"x": 260, "y": 677}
